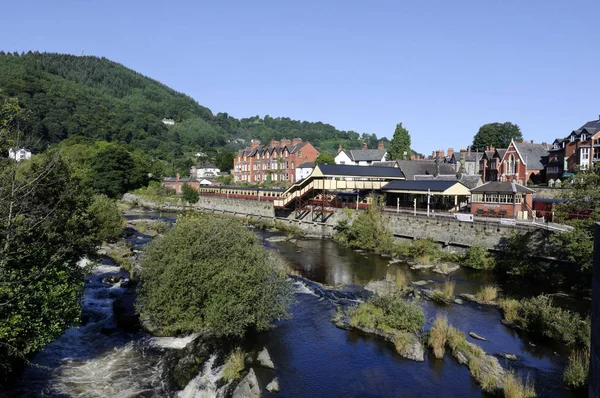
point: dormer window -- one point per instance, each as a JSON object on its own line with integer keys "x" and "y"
{"x": 572, "y": 138}
{"x": 583, "y": 137}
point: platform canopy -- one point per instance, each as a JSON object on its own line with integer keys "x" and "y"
{"x": 422, "y": 187}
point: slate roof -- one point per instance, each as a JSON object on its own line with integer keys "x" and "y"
{"x": 187, "y": 179}
{"x": 419, "y": 185}
{"x": 262, "y": 149}
{"x": 501, "y": 152}
{"x": 469, "y": 180}
{"x": 535, "y": 155}
{"x": 307, "y": 165}
{"x": 502, "y": 187}
{"x": 385, "y": 163}
{"x": 410, "y": 168}
{"x": 365, "y": 155}
{"x": 360, "y": 171}
{"x": 206, "y": 165}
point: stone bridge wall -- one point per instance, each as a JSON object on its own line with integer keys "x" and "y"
{"x": 448, "y": 232}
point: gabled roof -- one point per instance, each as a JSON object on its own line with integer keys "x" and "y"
{"x": 411, "y": 168}
{"x": 422, "y": 185}
{"x": 385, "y": 163}
{"x": 365, "y": 155}
{"x": 187, "y": 179}
{"x": 503, "y": 187}
{"x": 534, "y": 155}
{"x": 501, "y": 152}
{"x": 468, "y": 180}
{"x": 359, "y": 171}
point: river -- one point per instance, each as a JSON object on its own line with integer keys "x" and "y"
{"x": 312, "y": 357}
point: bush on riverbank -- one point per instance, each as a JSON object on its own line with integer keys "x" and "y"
{"x": 157, "y": 192}
{"x": 487, "y": 293}
{"x": 368, "y": 231}
{"x": 539, "y": 316}
{"x": 477, "y": 257}
{"x": 445, "y": 292}
{"x": 515, "y": 388}
{"x": 577, "y": 370}
{"x": 211, "y": 272}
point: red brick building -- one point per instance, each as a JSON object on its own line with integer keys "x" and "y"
{"x": 502, "y": 199}
{"x": 521, "y": 162}
{"x": 177, "y": 182}
{"x": 580, "y": 149}
{"x": 276, "y": 162}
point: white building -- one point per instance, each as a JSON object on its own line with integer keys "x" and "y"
{"x": 361, "y": 157}
{"x": 169, "y": 122}
{"x": 304, "y": 170}
{"x": 205, "y": 170}
{"x": 19, "y": 154}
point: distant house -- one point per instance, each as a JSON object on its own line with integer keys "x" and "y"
{"x": 361, "y": 157}
{"x": 304, "y": 170}
{"x": 19, "y": 154}
{"x": 472, "y": 160}
{"x": 204, "y": 170}
{"x": 169, "y": 122}
{"x": 177, "y": 182}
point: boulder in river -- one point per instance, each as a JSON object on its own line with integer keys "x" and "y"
{"x": 381, "y": 288}
{"x": 264, "y": 359}
{"x": 273, "y": 386}
{"x": 476, "y": 336}
{"x": 446, "y": 268}
{"x": 248, "y": 387}
{"x": 508, "y": 356}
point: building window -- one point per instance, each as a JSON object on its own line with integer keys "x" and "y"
{"x": 510, "y": 165}
{"x": 583, "y": 137}
{"x": 585, "y": 158}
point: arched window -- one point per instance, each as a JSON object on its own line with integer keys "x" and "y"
{"x": 511, "y": 165}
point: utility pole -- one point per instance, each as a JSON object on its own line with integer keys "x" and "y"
{"x": 415, "y": 206}
{"x": 397, "y": 205}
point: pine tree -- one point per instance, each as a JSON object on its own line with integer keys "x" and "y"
{"x": 400, "y": 144}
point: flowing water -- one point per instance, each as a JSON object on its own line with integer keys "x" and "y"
{"x": 312, "y": 357}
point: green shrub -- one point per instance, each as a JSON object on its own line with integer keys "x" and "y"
{"x": 109, "y": 221}
{"x": 477, "y": 257}
{"x": 577, "y": 370}
{"x": 539, "y": 316}
{"x": 234, "y": 365}
{"x": 388, "y": 312}
{"x": 445, "y": 292}
{"x": 425, "y": 251}
{"x": 189, "y": 194}
{"x": 211, "y": 272}
{"x": 369, "y": 232}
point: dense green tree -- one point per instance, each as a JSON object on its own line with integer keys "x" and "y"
{"x": 111, "y": 168}
{"x": 45, "y": 229}
{"x": 399, "y": 147}
{"x": 224, "y": 160}
{"x": 211, "y": 272}
{"x": 189, "y": 194}
{"x": 497, "y": 135}
{"x": 109, "y": 221}
{"x": 325, "y": 158}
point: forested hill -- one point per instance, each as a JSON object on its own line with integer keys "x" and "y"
{"x": 94, "y": 97}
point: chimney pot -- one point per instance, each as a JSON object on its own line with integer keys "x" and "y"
{"x": 380, "y": 145}
{"x": 364, "y": 146}
{"x": 340, "y": 148}
{"x": 532, "y": 141}
{"x": 296, "y": 141}
{"x": 177, "y": 176}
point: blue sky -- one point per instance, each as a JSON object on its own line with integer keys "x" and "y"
{"x": 442, "y": 68}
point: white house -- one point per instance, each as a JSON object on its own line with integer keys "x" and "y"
{"x": 304, "y": 170}
{"x": 361, "y": 157}
{"x": 19, "y": 154}
{"x": 205, "y": 170}
{"x": 169, "y": 122}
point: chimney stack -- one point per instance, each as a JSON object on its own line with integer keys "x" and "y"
{"x": 177, "y": 176}
{"x": 273, "y": 143}
{"x": 450, "y": 152}
{"x": 469, "y": 149}
{"x": 364, "y": 147}
{"x": 532, "y": 141}
{"x": 254, "y": 143}
{"x": 340, "y": 149}
{"x": 380, "y": 145}
{"x": 442, "y": 153}
{"x": 296, "y": 141}
{"x": 284, "y": 142}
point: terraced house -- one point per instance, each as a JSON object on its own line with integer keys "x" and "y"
{"x": 580, "y": 149}
{"x": 274, "y": 162}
